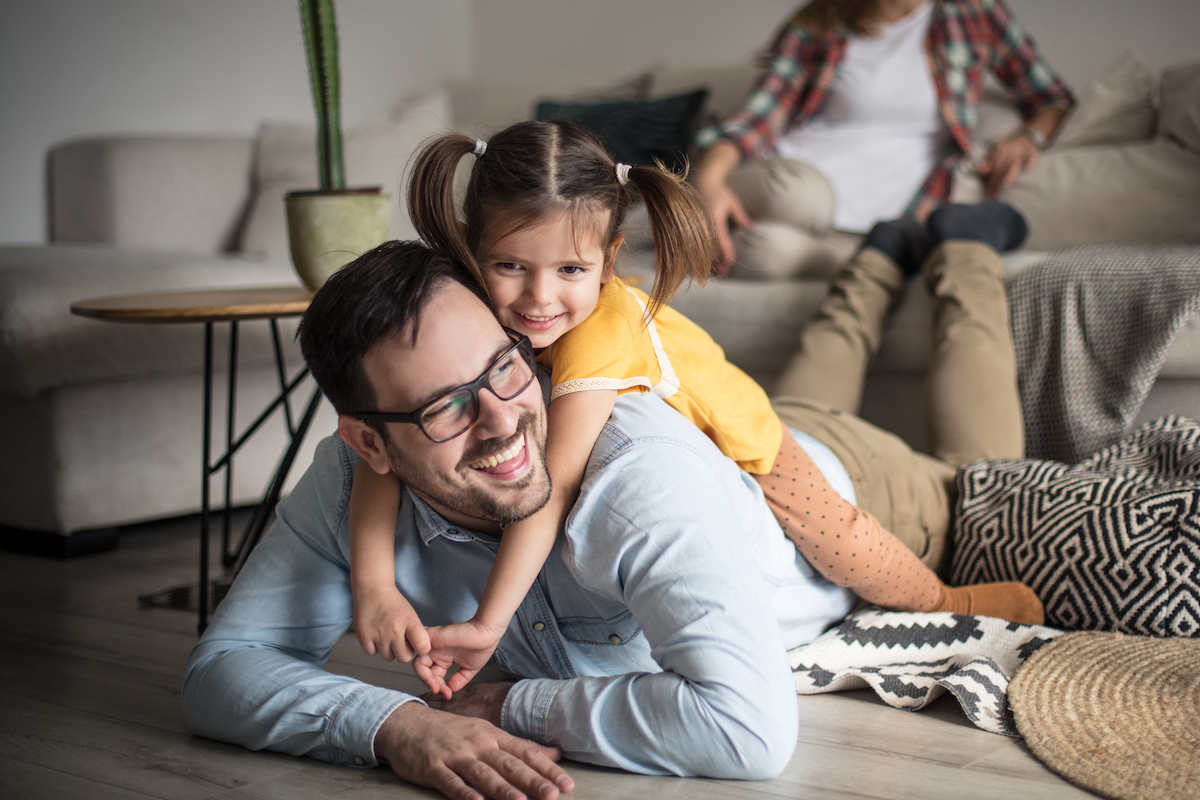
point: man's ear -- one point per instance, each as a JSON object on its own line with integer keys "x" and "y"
{"x": 610, "y": 258}
{"x": 364, "y": 440}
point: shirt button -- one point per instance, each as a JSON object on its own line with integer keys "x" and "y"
{"x": 359, "y": 760}
{"x": 615, "y": 639}
{"x": 537, "y": 626}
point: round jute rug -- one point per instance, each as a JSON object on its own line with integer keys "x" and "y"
{"x": 1116, "y": 714}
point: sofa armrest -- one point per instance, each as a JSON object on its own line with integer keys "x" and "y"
{"x": 160, "y": 192}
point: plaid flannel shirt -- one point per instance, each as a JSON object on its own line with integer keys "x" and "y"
{"x": 966, "y": 37}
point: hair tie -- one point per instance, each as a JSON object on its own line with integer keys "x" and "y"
{"x": 480, "y": 148}
{"x": 622, "y": 173}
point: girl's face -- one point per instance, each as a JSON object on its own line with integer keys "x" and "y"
{"x": 544, "y": 279}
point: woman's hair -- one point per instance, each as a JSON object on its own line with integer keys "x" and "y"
{"x": 534, "y": 170}
{"x": 826, "y": 16}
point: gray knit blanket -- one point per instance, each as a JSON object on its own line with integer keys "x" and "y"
{"x": 1091, "y": 326}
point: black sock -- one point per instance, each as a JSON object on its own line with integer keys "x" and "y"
{"x": 903, "y": 240}
{"x": 996, "y": 224}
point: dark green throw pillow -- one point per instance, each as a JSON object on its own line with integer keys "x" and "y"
{"x": 636, "y": 133}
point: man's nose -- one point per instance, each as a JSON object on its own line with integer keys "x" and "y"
{"x": 497, "y": 418}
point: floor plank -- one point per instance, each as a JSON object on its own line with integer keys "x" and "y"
{"x": 133, "y": 757}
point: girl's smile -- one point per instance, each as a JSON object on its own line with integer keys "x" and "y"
{"x": 545, "y": 278}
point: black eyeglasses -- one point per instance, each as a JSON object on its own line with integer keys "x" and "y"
{"x": 455, "y": 412}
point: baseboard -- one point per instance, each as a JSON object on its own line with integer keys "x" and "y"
{"x": 55, "y": 545}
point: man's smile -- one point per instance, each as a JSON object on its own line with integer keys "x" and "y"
{"x": 506, "y": 461}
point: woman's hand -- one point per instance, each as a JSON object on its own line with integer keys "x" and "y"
{"x": 1008, "y": 159}
{"x": 727, "y": 211}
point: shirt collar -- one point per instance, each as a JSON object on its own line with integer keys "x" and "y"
{"x": 431, "y": 524}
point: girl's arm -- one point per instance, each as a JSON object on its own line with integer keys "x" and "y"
{"x": 384, "y": 621}
{"x": 575, "y": 422}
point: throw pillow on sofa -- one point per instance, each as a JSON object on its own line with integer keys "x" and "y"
{"x": 376, "y": 154}
{"x": 1118, "y": 106}
{"x": 637, "y": 133}
{"x": 1112, "y": 543}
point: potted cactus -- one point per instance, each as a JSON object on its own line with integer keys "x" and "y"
{"x": 330, "y": 226}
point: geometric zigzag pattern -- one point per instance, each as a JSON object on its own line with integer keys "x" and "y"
{"x": 909, "y": 659}
{"x": 1109, "y": 544}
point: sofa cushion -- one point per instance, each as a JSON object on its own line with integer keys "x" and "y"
{"x": 376, "y": 154}
{"x": 482, "y": 107}
{"x": 1136, "y": 192}
{"x": 44, "y": 346}
{"x": 637, "y": 133}
{"x": 727, "y": 87}
{"x": 1179, "y": 101}
{"x": 1118, "y": 106}
{"x": 178, "y": 193}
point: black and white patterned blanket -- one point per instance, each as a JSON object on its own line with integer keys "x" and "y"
{"x": 1091, "y": 326}
{"x": 911, "y": 659}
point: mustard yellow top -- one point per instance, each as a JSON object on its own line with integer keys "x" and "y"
{"x": 673, "y": 358}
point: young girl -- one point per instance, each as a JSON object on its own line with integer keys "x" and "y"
{"x": 543, "y": 211}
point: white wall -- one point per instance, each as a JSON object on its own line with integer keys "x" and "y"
{"x": 608, "y": 39}
{"x": 72, "y": 68}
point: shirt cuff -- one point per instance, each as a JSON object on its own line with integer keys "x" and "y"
{"x": 526, "y": 710}
{"x": 354, "y": 724}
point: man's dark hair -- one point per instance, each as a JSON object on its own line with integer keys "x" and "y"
{"x": 373, "y": 297}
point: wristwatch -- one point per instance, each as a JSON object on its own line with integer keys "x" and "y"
{"x": 1037, "y": 137}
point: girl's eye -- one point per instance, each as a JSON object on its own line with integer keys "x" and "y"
{"x": 507, "y": 266}
{"x": 572, "y": 270}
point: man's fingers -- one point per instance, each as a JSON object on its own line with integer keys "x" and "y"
{"x": 520, "y": 774}
{"x": 448, "y": 783}
{"x": 483, "y": 774}
{"x": 541, "y": 759}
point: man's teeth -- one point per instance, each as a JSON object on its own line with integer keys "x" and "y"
{"x": 500, "y": 458}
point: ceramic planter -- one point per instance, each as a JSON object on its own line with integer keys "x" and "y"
{"x": 329, "y": 229}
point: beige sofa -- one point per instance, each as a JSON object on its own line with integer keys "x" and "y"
{"x": 103, "y": 420}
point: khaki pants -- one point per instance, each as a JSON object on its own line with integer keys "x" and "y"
{"x": 792, "y": 206}
{"x": 972, "y": 405}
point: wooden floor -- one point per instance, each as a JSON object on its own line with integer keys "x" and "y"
{"x": 90, "y": 708}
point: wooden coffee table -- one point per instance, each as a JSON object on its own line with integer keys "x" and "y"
{"x": 210, "y": 307}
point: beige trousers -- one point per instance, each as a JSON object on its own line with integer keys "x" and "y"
{"x": 792, "y": 206}
{"x": 972, "y": 406}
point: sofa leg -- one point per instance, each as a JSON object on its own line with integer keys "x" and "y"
{"x": 54, "y": 545}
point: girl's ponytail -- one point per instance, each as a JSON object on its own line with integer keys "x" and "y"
{"x": 431, "y": 204}
{"x": 685, "y": 241}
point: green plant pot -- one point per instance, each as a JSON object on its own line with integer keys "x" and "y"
{"x": 328, "y": 230}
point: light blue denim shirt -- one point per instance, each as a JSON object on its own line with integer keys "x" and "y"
{"x": 654, "y": 639}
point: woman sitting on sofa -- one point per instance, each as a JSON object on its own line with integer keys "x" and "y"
{"x": 862, "y": 112}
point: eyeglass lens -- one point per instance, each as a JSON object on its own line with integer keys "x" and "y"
{"x": 449, "y": 416}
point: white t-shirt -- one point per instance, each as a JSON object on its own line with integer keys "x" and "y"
{"x": 880, "y": 133}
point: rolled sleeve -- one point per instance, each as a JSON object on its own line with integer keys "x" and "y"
{"x": 256, "y": 676}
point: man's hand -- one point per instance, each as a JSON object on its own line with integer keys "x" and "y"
{"x": 1009, "y": 158}
{"x": 479, "y": 700}
{"x": 466, "y": 758}
{"x": 468, "y": 644}
{"x": 387, "y": 625}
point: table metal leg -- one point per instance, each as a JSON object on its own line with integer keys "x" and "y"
{"x": 210, "y": 591}
{"x": 205, "y": 448}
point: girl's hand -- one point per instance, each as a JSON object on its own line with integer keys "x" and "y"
{"x": 468, "y": 644}
{"x": 387, "y": 625}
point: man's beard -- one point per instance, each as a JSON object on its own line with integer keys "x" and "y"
{"x": 473, "y": 500}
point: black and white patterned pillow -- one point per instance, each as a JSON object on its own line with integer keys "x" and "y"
{"x": 1110, "y": 544}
